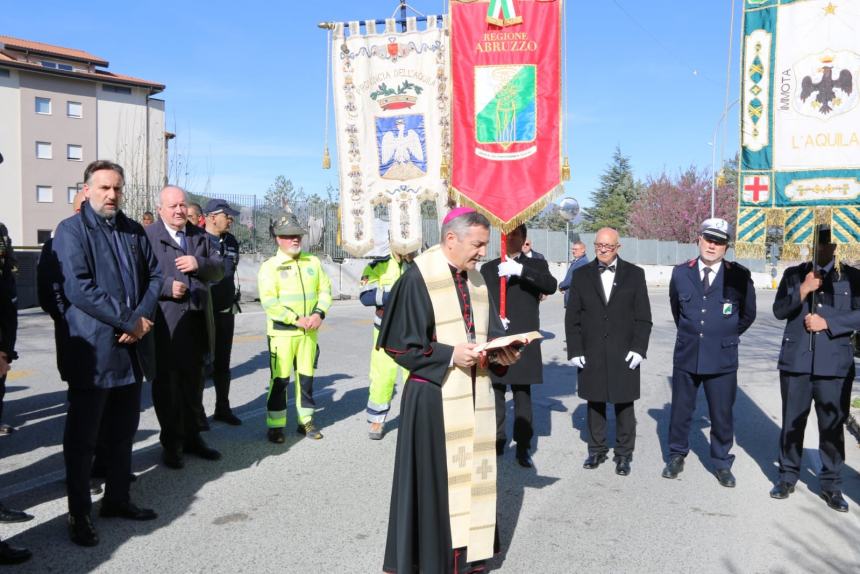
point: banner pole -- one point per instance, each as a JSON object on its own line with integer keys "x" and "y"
{"x": 503, "y": 281}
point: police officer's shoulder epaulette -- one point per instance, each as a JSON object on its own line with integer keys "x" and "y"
{"x": 690, "y": 263}
{"x": 378, "y": 260}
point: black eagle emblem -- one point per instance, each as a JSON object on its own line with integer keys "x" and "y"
{"x": 825, "y": 87}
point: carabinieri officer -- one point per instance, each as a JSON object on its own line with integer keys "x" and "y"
{"x": 713, "y": 303}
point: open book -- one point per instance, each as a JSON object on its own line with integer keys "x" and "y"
{"x": 515, "y": 341}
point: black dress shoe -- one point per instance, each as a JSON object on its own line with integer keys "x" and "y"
{"x": 622, "y": 465}
{"x": 781, "y": 490}
{"x": 593, "y": 461}
{"x": 10, "y": 555}
{"x": 81, "y": 530}
{"x": 834, "y": 500}
{"x": 227, "y": 417}
{"x": 523, "y": 458}
{"x": 199, "y": 448}
{"x": 725, "y": 477}
{"x": 500, "y": 446}
{"x": 9, "y": 515}
{"x": 172, "y": 459}
{"x": 674, "y": 467}
{"x": 127, "y": 510}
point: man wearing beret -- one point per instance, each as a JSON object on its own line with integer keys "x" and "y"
{"x": 713, "y": 303}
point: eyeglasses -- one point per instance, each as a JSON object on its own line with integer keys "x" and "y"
{"x": 606, "y": 246}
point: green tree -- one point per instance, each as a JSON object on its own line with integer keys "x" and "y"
{"x": 281, "y": 195}
{"x": 611, "y": 201}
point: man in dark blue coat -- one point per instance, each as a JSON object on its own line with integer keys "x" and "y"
{"x": 821, "y": 305}
{"x": 225, "y": 303}
{"x": 111, "y": 281}
{"x": 183, "y": 329}
{"x": 580, "y": 259}
{"x": 713, "y": 303}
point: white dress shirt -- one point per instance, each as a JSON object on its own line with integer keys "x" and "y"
{"x": 715, "y": 268}
{"x": 608, "y": 279}
{"x": 172, "y": 233}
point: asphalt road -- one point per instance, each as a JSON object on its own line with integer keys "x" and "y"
{"x": 322, "y": 506}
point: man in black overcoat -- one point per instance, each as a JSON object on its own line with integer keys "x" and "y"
{"x": 608, "y": 324}
{"x": 820, "y": 301}
{"x": 189, "y": 263}
{"x": 527, "y": 279}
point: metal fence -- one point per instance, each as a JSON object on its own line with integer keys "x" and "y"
{"x": 321, "y": 219}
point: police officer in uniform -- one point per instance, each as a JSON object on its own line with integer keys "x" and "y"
{"x": 819, "y": 301}
{"x": 713, "y": 303}
{"x": 225, "y": 299}
{"x": 377, "y": 280}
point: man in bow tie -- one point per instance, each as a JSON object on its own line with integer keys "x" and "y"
{"x": 713, "y": 303}
{"x": 608, "y": 324}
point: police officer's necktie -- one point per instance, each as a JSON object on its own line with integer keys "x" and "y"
{"x": 706, "y": 280}
{"x": 182, "y": 243}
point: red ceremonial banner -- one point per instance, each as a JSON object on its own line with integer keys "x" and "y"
{"x": 506, "y": 111}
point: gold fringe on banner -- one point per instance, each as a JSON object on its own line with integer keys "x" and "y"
{"x": 522, "y": 217}
{"x": 795, "y": 252}
{"x": 775, "y": 217}
{"x": 848, "y": 252}
{"x": 823, "y": 215}
{"x": 749, "y": 250}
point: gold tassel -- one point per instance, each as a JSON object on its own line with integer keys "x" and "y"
{"x": 565, "y": 170}
{"x": 443, "y": 169}
{"x": 326, "y": 163}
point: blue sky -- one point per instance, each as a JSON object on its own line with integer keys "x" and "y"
{"x": 246, "y": 80}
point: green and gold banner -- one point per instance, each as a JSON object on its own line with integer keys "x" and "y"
{"x": 800, "y": 121}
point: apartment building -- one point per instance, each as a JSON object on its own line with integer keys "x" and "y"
{"x": 59, "y": 110}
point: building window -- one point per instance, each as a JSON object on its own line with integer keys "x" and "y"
{"x": 56, "y": 66}
{"x": 116, "y": 89}
{"x": 74, "y": 152}
{"x": 4, "y": 73}
{"x": 44, "y": 150}
{"x": 72, "y": 191}
{"x": 42, "y": 236}
{"x": 44, "y": 194}
{"x": 74, "y": 109}
{"x": 43, "y": 106}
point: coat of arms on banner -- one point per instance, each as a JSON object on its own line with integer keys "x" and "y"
{"x": 401, "y": 145}
{"x": 505, "y": 108}
{"x": 391, "y": 109}
{"x": 828, "y": 84}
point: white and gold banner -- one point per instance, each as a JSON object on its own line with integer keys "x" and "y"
{"x": 391, "y": 98}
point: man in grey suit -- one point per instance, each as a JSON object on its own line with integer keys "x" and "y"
{"x": 820, "y": 301}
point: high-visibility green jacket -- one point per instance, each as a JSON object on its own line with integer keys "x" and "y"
{"x": 292, "y": 288}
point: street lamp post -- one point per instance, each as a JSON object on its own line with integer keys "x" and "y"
{"x": 714, "y": 155}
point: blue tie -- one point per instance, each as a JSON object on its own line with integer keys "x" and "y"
{"x": 182, "y": 243}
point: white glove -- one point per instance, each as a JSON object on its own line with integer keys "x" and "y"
{"x": 510, "y": 268}
{"x": 578, "y": 362}
{"x": 634, "y": 358}
{"x": 505, "y": 322}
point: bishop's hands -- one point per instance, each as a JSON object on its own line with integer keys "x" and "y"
{"x": 466, "y": 357}
{"x": 510, "y": 268}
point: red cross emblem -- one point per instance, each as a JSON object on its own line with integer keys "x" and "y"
{"x": 756, "y": 189}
